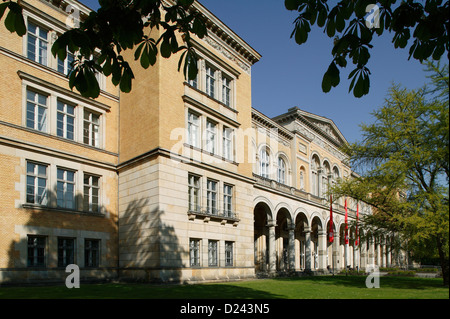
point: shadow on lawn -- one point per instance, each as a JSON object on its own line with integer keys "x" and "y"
{"x": 360, "y": 281}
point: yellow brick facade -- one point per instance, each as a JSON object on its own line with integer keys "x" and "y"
{"x": 194, "y": 184}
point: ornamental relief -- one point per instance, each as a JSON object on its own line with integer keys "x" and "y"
{"x": 317, "y": 140}
{"x": 216, "y": 45}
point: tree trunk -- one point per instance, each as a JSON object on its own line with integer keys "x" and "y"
{"x": 443, "y": 259}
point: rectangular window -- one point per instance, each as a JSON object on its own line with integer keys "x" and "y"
{"x": 226, "y": 91}
{"x": 91, "y": 128}
{"x": 66, "y": 251}
{"x": 193, "y": 129}
{"x": 91, "y": 252}
{"x": 228, "y": 200}
{"x": 194, "y": 252}
{"x": 91, "y": 193}
{"x": 65, "y": 189}
{"x": 65, "y": 120}
{"x": 37, "y": 111}
{"x": 36, "y": 184}
{"x": 229, "y": 253}
{"x": 36, "y": 251}
{"x": 210, "y": 81}
{"x": 227, "y": 143}
{"x": 211, "y": 194}
{"x": 194, "y": 193}
{"x": 65, "y": 67}
{"x": 211, "y": 137}
{"x": 212, "y": 253}
{"x": 37, "y": 43}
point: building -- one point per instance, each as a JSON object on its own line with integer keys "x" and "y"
{"x": 201, "y": 187}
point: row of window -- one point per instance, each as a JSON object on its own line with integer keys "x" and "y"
{"x": 37, "y": 50}
{"x": 38, "y": 185}
{"x": 37, "y": 251}
{"x": 38, "y": 108}
{"x": 209, "y": 139}
{"x": 215, "y": 83}
{"x": 195, "y": 253}
{"x": 264, "y": 166}
{"x": 212, "y": 197}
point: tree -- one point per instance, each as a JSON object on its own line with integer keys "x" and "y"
{"x": 404, "y": 158}
{"x": 119, "y": 25}
{"x": 425, "y": 23}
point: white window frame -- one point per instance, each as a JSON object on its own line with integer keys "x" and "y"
{"x": 264, "y": 162}
{"x": 66, "y": 184}
{"x": 228, "y": 200}
{"x": 39, "y": 57}
{"x": 281, "y": 170}
{"x": 37, "y": 106}
{"x": 210, "y": 81}
{"x": 65, "y": 119}
{"x": 88, "y": 193}
{"x": 37, "y": 200}
{"x": 194, "y": 193}
{"x": 227, "y": 140}
{"x": 193, "y": 129}
{"x": 211, "y": 196}
{"x": 227, "y": 90}
{"x": 211, "y": 136}
{"x": 93, "y": 137}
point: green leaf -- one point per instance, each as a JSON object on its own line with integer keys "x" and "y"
{"x": 166, "y": 48}
{"x": 291, "y": 4}
{"x": 331, "y": 78}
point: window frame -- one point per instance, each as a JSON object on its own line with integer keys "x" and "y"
{"x": 37, "y": 43}
{"x": 65, "y": 183}
{"x": 36, "y": 176}
{"x": 228, "y": 195}
{"x": 194, "y": 193}
{"x": 39, "y": 251}
{"x": 89, "y": 194}
{"x": 91, "y": 261}
{"x": 66, "y": 253}
{"x": 213, "y": 253}
{"x": 66, "y": 115}
{"x": 195, "y": 252}
{"x": 37, "y": 106}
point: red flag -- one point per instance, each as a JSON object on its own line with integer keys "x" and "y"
{"x": 356, "y": 232}
{"x": 331, "y": 232}
{"x": 346, "y": 223}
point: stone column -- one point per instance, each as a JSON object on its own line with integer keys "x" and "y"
{"x": 371, "y": 260}
{"x": 272, "y": 253}
{"x": 291, "y": 230}
{"x": 336, "y": 253}
{"x": 307, "y": 231}
{"x": 362, "y": 254}
{"x": 322, "y": 250}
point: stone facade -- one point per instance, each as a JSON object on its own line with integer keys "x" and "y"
{"x": 189, "y": 183}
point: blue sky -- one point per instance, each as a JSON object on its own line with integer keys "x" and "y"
{"x": 291, "y": 75}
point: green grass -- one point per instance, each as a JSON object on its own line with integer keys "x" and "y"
{"x": 320, "y": 287}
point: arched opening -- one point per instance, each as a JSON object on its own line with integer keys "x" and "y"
{"x": 316, "y": 240}
{"x": 302, "y": 243}
{"x": 262, "y": 215}
{"x": 282, "y": 240}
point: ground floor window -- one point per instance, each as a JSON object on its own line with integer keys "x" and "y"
{"x": 36, "y": 251}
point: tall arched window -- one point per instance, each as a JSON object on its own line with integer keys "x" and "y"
{"x": 315, "y": 165}
{"x": 326, "y": 177}
{"x": 281, "y": 171}
{"x": 264, "y": 160}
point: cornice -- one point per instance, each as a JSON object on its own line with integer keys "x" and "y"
{"x": 227, "y": 36}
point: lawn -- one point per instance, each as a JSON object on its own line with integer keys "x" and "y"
{"x": 320, "y": 287}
